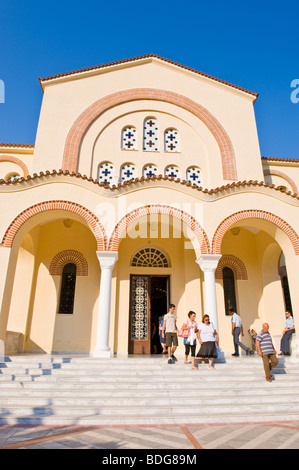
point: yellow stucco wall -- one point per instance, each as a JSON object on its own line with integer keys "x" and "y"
{"x": 29, "y": 294}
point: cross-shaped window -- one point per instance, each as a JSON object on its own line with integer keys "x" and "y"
{"x": 129, "y": 139}
{"x": 106, "y": 172}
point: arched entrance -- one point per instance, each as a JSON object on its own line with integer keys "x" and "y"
{"x": 42, "y": 243}
{"x": 156, "y": 266}
{"x": 251, "y": 244}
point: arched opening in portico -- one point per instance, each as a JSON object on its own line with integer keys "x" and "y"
{"x": 41, "y": 242}
{"x": 181, "y": 240}
{"x": 257, "y": 239}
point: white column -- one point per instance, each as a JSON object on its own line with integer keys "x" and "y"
{"x": 208, "y": 264}
{"x": 292, "y": 265}
{"x": 6, "y": 284}
{"x": 107, "y": 260}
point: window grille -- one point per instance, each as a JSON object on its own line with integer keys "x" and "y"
{"x": 150, "y": 258}
{"x": 67, "y": 292}
{"x": 150, "y": 135}
{"x": 171, "y": 141}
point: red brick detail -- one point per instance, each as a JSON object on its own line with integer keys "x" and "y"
{"x": 78, "y": 129}
{"x": 231, "y": 261}
{"x": 159, "y": 209}
{"x": 65, "y": 257}
{"x": 93, "y": 222}
{"x": 225, "y": 225}
{"x": 284, "y": 176}
{"x": 17, "y": 161}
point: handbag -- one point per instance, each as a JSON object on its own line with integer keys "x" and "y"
{"x": 217, "y": 350}
{"x": 183, "y": 333}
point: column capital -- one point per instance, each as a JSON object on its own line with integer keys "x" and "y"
{"x": 107, "y": 259}
{"x": 208, "y": 262}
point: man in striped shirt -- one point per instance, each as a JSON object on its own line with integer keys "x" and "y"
{"x": 266, "y": 350}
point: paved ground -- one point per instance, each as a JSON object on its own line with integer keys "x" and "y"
{"x": 222, "y": 436}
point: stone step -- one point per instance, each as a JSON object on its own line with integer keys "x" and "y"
{"x": 137, "y": 402}
{"x": 139, "y": 360}
{"x": 65, "y": 390}
{"x": 174, "y": 371}
{"x": 186, "y": 411}
{"x": 237, "y": 386}
{"x": 196, "y": 379}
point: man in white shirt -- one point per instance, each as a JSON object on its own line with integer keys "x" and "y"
{"x": 237, "y": 329}
{"x": 286, "y": 335}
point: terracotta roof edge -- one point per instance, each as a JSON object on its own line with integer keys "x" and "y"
{"x": 152, "y": 178}
{"x": 145, "y": 56}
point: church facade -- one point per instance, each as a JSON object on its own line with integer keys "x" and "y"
{"x": 145, "y": 187}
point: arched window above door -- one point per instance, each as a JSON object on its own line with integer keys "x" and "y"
{"x": 150, "y": 258}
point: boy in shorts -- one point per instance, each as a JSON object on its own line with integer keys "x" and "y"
{"x": 170, "y": 330}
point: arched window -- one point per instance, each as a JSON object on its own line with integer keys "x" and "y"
{"x": 194, "y": 175}
{"x": 67, "y": 291}
{"x": 129, "y": 138}
{"x": 106, "y": 173}
{"x": 285, "y": 284}
{"x": 150, "y": 135}
{"x": 229, "y": 290}
{"x": 127, "y": 172}
{"x": 12, "y": 177}
{"x": 171, "y": 141}
{"x": 150, "y": 258}
{"x": 172, "y": 171}
{"x": 149, "y": 170}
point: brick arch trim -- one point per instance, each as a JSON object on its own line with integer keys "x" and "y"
{"x": 231, "y": 261}
{"x": 92, "y": 221}
{"x": 17, "y": 161}
{"x": 65, "y": 257}
{"x": 121, "y": 227}
{"x": 79, "y": 127}
{"x": 284, "y": 176}
{"x": 224, "y": 226}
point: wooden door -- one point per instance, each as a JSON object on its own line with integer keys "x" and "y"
{"x": 140, "y": 321}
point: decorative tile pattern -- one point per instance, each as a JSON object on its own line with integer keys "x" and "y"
{"x": 106, "y": 173}
{"x": 150, "y": 135}
{"x": 127, "y": 172}
{"x": 172, "y": 171}
{"x": 149, "y": 170}
{"x": 171, "y": 141}
{"x": 150, "y": 258}
{"x": 129, "y": 138}
{"x": 139, "y": 308}
{"x": 194, "y": 175}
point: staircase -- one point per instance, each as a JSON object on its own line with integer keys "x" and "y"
{"x": 72, "y": 390}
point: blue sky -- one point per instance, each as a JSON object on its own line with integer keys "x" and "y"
{"x": 253, "y": 44}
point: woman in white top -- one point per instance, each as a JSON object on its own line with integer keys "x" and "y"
{"x": 190, "y": 342}
{"x": 207, "y": 336}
